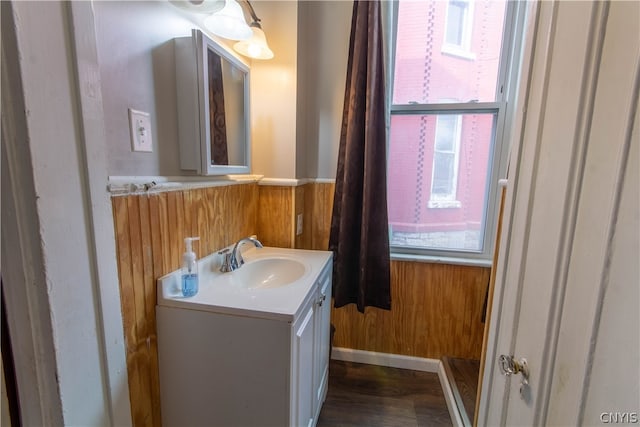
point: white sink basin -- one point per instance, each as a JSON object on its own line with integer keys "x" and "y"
{"x": 272, "y": 283}
{"x": 266, "y": 273}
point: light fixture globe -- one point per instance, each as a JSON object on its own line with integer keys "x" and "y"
{"x": 229, "y": 22}
{"x": 255, "y": 47}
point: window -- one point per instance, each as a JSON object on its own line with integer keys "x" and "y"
{"x": 448, "y": 115}
{"x": 444, "y": 171}
{"x": 459, "y": 17}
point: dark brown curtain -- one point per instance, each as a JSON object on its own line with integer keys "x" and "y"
{"x": 359, "y": 227}
{"x": 218, "y": 126}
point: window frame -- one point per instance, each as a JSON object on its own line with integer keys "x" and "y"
{"x": 507, "y": 82}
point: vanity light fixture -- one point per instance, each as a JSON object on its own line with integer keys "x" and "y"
{"x": 199, "y": 6}
{"x": 256, "y": 46}
{"x": 229, "y": 22}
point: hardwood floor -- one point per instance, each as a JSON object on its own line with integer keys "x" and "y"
{"x": 377, "y": 396}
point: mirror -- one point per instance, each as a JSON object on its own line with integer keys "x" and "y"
{"x": 213, "y": 107}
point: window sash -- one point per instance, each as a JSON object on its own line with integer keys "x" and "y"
{"x": 453, "y": 108}
{"x": 494, "y": 164}
{"x": 494, "y": 171}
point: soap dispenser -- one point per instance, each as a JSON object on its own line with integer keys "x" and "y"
{"x": 189, "y": 269}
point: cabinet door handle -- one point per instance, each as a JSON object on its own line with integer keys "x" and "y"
{"x": 321, "y": 300}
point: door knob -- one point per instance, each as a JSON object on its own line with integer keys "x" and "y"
{"x": 510, "y": 366}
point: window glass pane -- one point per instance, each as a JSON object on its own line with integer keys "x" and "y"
{"x": 455, "y": 22}
{"x": 437, "y": 200}
{"x": 446, "y": 133}
{"x": 427, "y": 70}
{"x": 442, "y": 174}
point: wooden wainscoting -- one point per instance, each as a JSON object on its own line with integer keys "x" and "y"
{"x": 303, "y": 207}
{"x": 150, "y": 231}
{"x": 436, "y": 310}
{"x": 276, "y": 224}
{"x": 279, "y": 207}
{"x": 321, "y": 211}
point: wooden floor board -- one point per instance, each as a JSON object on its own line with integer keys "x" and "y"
{"x": 378, "y": 396}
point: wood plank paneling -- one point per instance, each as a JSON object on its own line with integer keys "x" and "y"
{"x": 303, "y": 240}
{"x": 141, "y": 321}
{"x": 244, "y": 203}
{"x": 127, "y": 299}
{"x": 163, "y": 215}
{"x": 321, "y": 214}
{"x": 149, "y": 296}
{"x": 276, "y": 224}
{"x": 308, "y": 212}
{"x": 216, "y": 218}
{"x": 150, "y": 231}
{"x": 436, "y": 310}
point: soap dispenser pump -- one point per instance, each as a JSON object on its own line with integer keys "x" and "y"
{"x": 189, "y": 269}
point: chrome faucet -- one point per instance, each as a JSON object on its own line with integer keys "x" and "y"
{"x": 233, "y": 258}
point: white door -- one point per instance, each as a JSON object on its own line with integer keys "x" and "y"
{"x": 572, "y": 203}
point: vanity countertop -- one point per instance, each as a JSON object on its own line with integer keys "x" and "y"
{"x": 227, "y": 293}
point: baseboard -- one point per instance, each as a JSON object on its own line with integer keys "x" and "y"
{"x": 456, "y": 418}
{"x": 385, "y": 359}
{"x": 403, "y": 362}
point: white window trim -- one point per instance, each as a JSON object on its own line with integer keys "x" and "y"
{"x": 444, "y": 204}
{"x": 453, "y": 50}
{"x": 437, "y": 201}
{"x": 462, "y": 50}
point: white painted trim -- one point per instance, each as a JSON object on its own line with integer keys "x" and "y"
{"x": 454, "y": 413}
{"x": 290, "y": 182}
{"x": 324, "y": 180}
{"x": 221, "y": 179}
{"x": 444, "y": 204}
{"x": 28, "y": 311}
{"x": 453, "y": 50}
{"x": 433, "y": 259}
{"x": 140, "y": 183}
{"x": 502, "y": 311}
{"x": 284, "y": 182}
{"x": 101, "y": 234}
{"x": 385, "y": 359}
{"x": 123, "y": 185}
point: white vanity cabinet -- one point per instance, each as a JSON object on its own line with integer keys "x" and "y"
{"x": 228, "y": 366}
